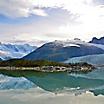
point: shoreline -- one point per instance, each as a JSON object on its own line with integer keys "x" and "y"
{"x": 50, "y": 69}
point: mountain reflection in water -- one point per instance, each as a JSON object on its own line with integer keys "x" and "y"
{"x": 55, "y": 82}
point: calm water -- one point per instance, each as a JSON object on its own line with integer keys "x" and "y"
{"x": 29, "y": 87}
{"x": 54, "y": 82}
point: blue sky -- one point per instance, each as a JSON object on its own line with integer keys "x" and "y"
{"x": 45, "y": 20}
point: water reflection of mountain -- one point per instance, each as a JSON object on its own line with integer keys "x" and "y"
{"x": 57, "y": 81}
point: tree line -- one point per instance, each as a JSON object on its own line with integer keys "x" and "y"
{"x": 30, "y": 63}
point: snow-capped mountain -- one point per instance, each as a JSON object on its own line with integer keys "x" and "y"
{"x": 63, "y": 50}
{"x": 8, "y": 51}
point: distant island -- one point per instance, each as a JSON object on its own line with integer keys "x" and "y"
{"x": 45, "y": 66}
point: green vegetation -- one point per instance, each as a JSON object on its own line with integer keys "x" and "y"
{"x": 28, "y": 63}
{"x": 44, "y": 66}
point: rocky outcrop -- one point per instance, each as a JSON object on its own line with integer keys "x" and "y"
{"x": 97, "y": 41}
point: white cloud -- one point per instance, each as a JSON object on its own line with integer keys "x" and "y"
{"x": 80, "y": 18}
{"x": 19, "y": 8}
{"x": 91, "y": 21}
{"x": 24, "y": 8}
{"x": 39, "y": 12}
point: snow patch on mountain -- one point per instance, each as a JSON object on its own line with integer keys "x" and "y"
{"x": 75, "y": 42}
{"x": 71, "y": 45}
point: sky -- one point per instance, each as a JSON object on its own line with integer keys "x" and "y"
{"x": 47, "y": 20}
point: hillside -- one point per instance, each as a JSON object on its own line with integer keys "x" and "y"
{"x": 62, "y": 50}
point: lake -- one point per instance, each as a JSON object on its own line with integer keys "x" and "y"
{"x": 29, "y": 87}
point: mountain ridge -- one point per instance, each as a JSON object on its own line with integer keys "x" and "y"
{"x": 97, "y": 41}
{"x": 62, "y": 50}
{"x": 8, "y": 51}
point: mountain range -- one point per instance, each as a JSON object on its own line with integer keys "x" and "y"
{"x": 9, "y": 51}
{"x": 61, "y": 51}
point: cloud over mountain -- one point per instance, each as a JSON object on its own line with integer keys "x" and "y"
{"x": 60, "y": 18}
